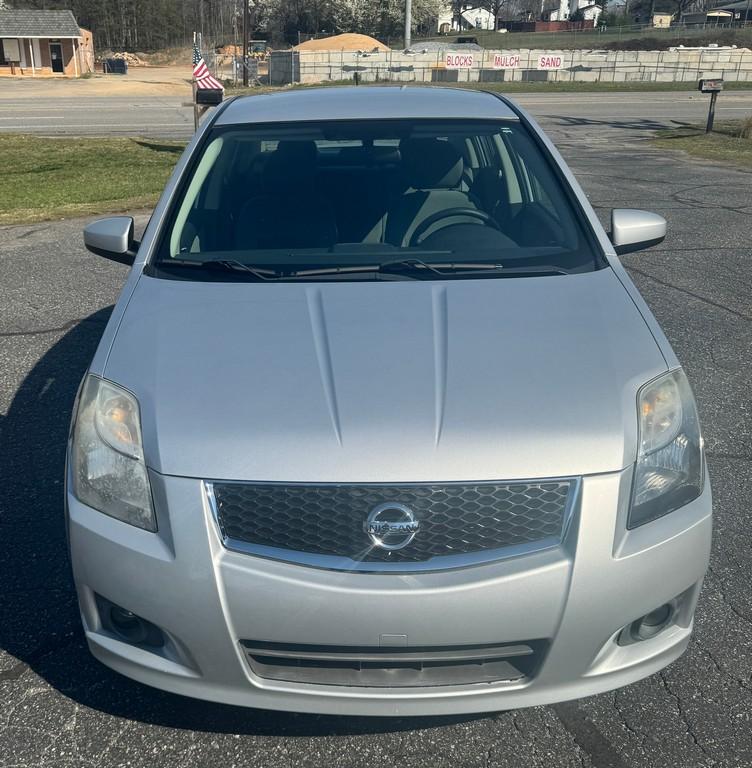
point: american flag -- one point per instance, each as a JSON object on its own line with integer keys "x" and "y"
{"x": 201, "y": 73}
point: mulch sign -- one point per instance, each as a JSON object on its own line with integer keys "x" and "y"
{"x": 506, "y": 61}
{"x": 458, "y": 60}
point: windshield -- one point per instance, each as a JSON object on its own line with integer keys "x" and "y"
{"x": 371, "y": 198}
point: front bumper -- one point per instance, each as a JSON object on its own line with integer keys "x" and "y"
{"x": 206, "y": 599}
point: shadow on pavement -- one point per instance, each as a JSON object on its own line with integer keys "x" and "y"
{"x": 40, "y": 624}
{"x": 628, "y": 124}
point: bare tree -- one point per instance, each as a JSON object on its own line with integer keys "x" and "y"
{"x": 495, "y": 8}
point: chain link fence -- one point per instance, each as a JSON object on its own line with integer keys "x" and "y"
{"x": 446, "y": 65}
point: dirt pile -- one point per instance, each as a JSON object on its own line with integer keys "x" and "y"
{"x": 133, "y": 59}
{"x": 345, "y": 42}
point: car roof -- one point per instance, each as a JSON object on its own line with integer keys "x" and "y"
{"x": 365, "y": 103}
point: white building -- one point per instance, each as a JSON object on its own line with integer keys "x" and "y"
{"x": 471, "y": 18}
{"x": 567, "y": 9}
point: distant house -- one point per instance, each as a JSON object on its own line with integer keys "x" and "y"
{"x": 44, "y": 43}
{"x": 738, "y": 12}
{"x": 585, "y": 10}
{"x": 470, "y": 17}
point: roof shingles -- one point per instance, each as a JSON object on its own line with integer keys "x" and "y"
{"x": 38, "y": 24}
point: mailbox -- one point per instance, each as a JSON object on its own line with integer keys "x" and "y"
{"x": 209, "y": 96}
{"x": 714, "y": 85}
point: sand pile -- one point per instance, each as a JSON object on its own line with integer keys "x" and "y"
{"x": 346, "y": 42}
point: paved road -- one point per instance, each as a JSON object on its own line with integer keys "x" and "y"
{"x": 59, "y": 708}
{"x": 85, "y": 109}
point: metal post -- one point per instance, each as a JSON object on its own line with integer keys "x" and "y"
{"x": 195, "y": 108}
{"x": 235, "y": 43}
{"x": 245, "y": 43}
{"x": 408, "y": 22}
{"x": 711, "y": 112}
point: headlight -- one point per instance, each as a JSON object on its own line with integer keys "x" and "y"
{"x": 107, "y": 457}
{"x": 669, "y": 469}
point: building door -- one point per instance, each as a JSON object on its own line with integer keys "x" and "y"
{"x": 56, "y": 57}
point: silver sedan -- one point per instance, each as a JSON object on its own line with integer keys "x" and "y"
{"x": 380, "y": 425}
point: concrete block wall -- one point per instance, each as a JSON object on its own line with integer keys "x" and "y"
{"x": 286, "y": 67}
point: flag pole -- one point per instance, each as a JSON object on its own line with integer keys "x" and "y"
{"x": 193, "y": 88}
{"x": 245, "y": 42}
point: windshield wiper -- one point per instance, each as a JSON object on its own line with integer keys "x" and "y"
{"x": 231, "y": 265}
{"x": 248, "y": 271}
{"x": 408, "y": 267}
{"x": 397, "y": 266}
{"x": 454, "y": 268}
{"x": 402, "y": 267}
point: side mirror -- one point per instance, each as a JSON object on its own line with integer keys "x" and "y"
{"x": 633, "y": 230}
{"x": 112, "y": 238}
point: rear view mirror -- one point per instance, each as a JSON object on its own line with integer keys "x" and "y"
{"x": 112, "y": 238}
{"x": 633, "y": 230}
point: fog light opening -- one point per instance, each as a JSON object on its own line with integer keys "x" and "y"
{"x": 125, "y": 623}
{"x": 128, "y": 626}
{"x": 649, "y": 625}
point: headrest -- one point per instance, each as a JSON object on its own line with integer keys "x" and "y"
{"x": 291, "y": 166}
{"x": 431, "y": 163}
{"x": 487, "y": 186}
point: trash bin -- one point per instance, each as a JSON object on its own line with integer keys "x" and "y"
{"x": 115, "y": 67}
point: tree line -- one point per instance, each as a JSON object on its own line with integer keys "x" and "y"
{"x": 148, "y": 25}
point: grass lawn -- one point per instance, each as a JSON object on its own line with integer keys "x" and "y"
{"x": 49, "y": 178}
{"x": 724, "y": 144}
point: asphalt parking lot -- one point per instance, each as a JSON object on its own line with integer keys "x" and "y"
{"x": 58, "y": 707}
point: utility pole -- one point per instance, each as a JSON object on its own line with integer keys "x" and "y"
{"x": 245, "y": 43}
{"x": 408, "y": 21}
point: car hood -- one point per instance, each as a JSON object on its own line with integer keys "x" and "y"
{"x": 386, "y": 381}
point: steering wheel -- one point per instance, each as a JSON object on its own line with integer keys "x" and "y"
{"x": 451, "y": 213}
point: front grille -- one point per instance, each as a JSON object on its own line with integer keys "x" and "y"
{"x": 455, "y": 519}
{"x": 394, "y": 667}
